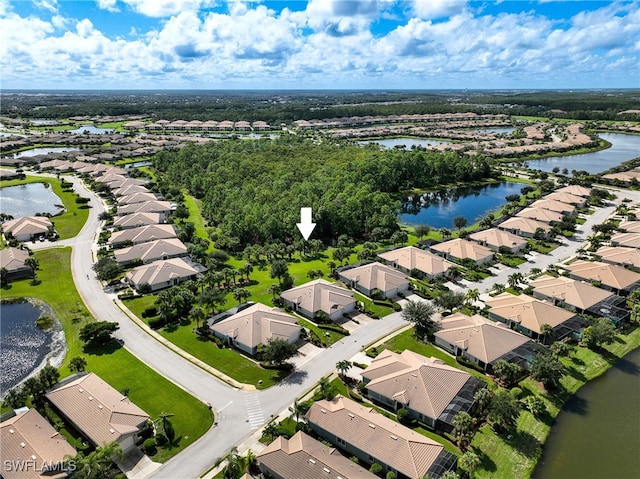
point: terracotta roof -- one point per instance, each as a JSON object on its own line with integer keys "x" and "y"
{"x": 137, "y": 220}
{"x": 319, "y": 295}
{"x": 576, "y": 190}
{"x": 566, "y": 198}
{"x": 99, "y": 411}
{"x": 620, "y": 255}
{"x": 630, "y": 226}
{"x": 143, "y": 234}
{"x": 257, "y": 325}
{"x": 151, "y": 251}
{"x": 428, "y": 384}
{"x": 463, "y": 249}
{"x": 302, "y": 457}
{"x": 411, "y": 258}
{"x": 139, "y": 197}
{"x": 576, "y": 293}
{"x": 480, "y": 337}
{"x": 496, "y": 238}
{"x": 387, "y": 441}
{"x": 540, "y": 214}
{"x": 30, "y": 439}
{"x": 153, "y": 206}
{"x": 527, "y": 311}
{"x": 376, "y": 276}
{"x": 553, "y": 205}
{"x": 160, "y": 272}
{"x": 607, "y": 274}
{"x": 631, "y": 240}
{"x": 129, "y": 190}
{"x": 13, "y": 258}
{"x": 526, "y": 225}
{"x": 27, "y": 225}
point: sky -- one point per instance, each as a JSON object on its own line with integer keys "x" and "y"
{"x": 319, "y": 44}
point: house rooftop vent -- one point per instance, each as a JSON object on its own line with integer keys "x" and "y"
{"x": 372, "y": 426}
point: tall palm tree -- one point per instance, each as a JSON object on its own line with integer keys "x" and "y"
{"x": 343, "y": 367}
{"x": 546, "y": 331}
{"x": 241, "y": 295}
{"x": 297, "y": 410}
{"x": 472, "y": 296}
{"x": 514, "y": 280}
{"x": 197, "y": 313}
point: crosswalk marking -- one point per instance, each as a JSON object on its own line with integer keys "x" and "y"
{"x": 254, "y": 410}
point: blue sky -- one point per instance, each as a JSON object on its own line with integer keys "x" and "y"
{"x": 318, "y": 44}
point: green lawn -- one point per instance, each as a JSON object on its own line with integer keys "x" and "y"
{"x": 327, "y": 336}
{"x": 196, "y": 218}
{"x": 73, "y": 219}
{"x": 116, "y": 366}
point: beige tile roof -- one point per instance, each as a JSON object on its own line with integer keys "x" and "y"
{"x": 143, "y": 234}
{"x": 630, "y": 240}
{"x": 576, "y": 293}
{"x": 153, "y": 206}
{"x": 257, "y": 325}
{"x": 119, "y": 184}
{"x": 526, "y": 225}
{"x": 480, "y": 337}
{"x": 608, "y": 274}
{"x": 576, "y": 190}
{"x": 376, "y": 276}
{"x": 630, "y": 226}
{"x": 387, "y": 441}
{"x": 411, "y": 258}
{"x": 319, "y": 295}
{"x": 27, "y": 225}
{"x": 136, "y": 198}
{"x": 30, "y": 438}
{"x": 110, "y": 178}
{"x": 553, "y": 205}
{"x": 99, "y": 411}
{"x": 13, "y": 258}
{"x": 620, "y": 255}
{"x": 496, "y": 238}
{"x": 428, "y": 384}
{"x": 137, "y": 220}
{"x": 129, "y": 190}
{"x": 160, "y": 272}
{"x": 540, "y": 214}
{"x": 566, "y": 198}
{"x": 302, "y": 457}
{"x": 527, "y": 311}
{"x": 463, "y": 249}
{"x": 151, "y": 251}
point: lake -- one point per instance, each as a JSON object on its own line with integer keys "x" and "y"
{"x": 623, "y": 148}
{"x": 42, "y": 151}
{"x": 597, "y": 433}
{"x": 29, "y": 199}
{"x": 91, "y": 129}
{"x": 24, "y": 347}
{"x": 407, "y": 142}
{"x": 437, "y": 209}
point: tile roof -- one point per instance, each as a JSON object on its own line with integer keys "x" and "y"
{"x": 27, "y": 225}
{"x": 540, "y": 214}
{"x": 319, "y": 295}
{"x": 496, "y": 238}
{"x": 480, "y": 337}
{"x": 13, "y": 258}
{"x": 30, "y": 438}
{"x": 160, "y": 272}
{"x": 137, "y": 220}
{"x": 526, "y": 225}
{"x": 411, "y": 258}
{"x": 376, "y": 276}
{"x": 576, "y": 293}
{"x": 152, "y": 250}
{"x": 463, "y": 249}
{"x": 620, "y": 255}
{"x": 387, "y": 441}
{"x": 257, "y": 325}
{"x": 566, "y": 198}
{"x": 302, "y": 457}
{"x": 553, "y": 205}
{"x": 631, "y": 240}
{"x": 527, "y": 311}
{"x": 139, "y": 197}
{"x": 99, "y": 411}
{"x": 576, "y": 190}
{"x": 630, "y": 226}
{"x": 608, "y": 274}
{"x": 143, "y": 234}
{"x": 428, "y": 384}
{"x": 153, "y": 206}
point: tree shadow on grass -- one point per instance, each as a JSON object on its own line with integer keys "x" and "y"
{"x": 525, "y": 443}
{"x": 109, "y": 348}
{"x": 486, "y": 462}
{"x": 577, "y": 361}
{"x": 577, "y": 375}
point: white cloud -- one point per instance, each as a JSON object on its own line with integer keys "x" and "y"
{"x": 109, "y": 5}
{"x": 432, "y": 9}
{"x": 167, "y": 8}
{"x": 50, "y": 5}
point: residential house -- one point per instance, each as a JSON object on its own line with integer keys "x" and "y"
{"x": 153, "y": 206}
{"x": 375, "y": 277}
{"x": 483, "y": 342}
{"x": 12, "y": 260}
{"x": 28, "y": 440}
{"x": 576, "y": 190}
{"x": 163, "y": 273}
{"x": 609, "y": 276}
{"x": 540, "y": 214}
{"x": 319, "y": 296}
{"x": 136, "y": 220}
{"x": 579, "y": 296}
{"x": 619, "y": 255}
{"x": 27, "y": 228}
{"x": 526, "y": 314}
{"x": 462, "y": 250}
{"x": 432, "y": 391}
{"x": 256, "y": 325}
{"x": 142, "y": 234}
{"x": 629, "y": 226}
{"x": 129, "y": 190}
{"x": 151, "y": 251}
{"x": 554, "y": 205}
{"x": 302, "y": 457}
{"x": 629, "y": 240}
{"x": 411, "y": 259}
{"x": 568, "y": 198}
{"x": 495, "y": 239}
{"x": 136, "y": 198}
{"x": 98, "y": 411}
{"x": 525, "y": 227}
{"x": 371, "y": 437}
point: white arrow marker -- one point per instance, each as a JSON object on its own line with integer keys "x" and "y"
{"x": 305, "y": 226}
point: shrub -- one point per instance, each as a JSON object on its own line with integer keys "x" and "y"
{"x": 161, "y": 439}
{"x": 362, "y": 387}
{"x": 403, "y": 416}
{"x": 355, "y": 396}
{"x": 156, "y": 323}
{"x": 149, "y": 446}
{"x": 397, "y": 307}
{"x": 150, "y": 312}
{"x": 375, "y": 468}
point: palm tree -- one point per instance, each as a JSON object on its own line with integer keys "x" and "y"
{"x": 241, "y": 295}
{"x": 274, "y": 289}
{"x": 472, "y": 296}
{"x": 514, "y": 279}
{"x": 167, "y": 426}
{"x": 247, "y": 269}
{"x": 297, "y": 410}
{"x": 343, "y": 367}
{"x": 196, "y": 312}
{"x": 445, "y": 232}
{"x": 235, "y": 467}
{"x": 546, "y": 331}
{"x": 4, "y": 276}
{"x": 77, "y": 364}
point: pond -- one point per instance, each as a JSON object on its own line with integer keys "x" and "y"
{"x": 91, "y": 129}
{"x": 597, "y": 433}
{"x": 25, "y": 348}
{"x": 137, "y": 164}
{"x": 29, "y": 199}
{"x": 623, "y": 148}
{"x": 498, "y": 129}
{"x": 438, "y": 209}
{"x": 407, "y": 142}
{"x": 42, "y": 151}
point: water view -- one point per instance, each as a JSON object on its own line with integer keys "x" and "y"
{"x": 407, "y": 142}
{"x": 438, "y": 208}
{"x": 29, "y": 199}
{"x": 91, "y": 129}
{"x": 24, "y": 347}
{"x": 597, "y": 434}
{"x": 43, "y": 151}
{"x": 623, "y": 148}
